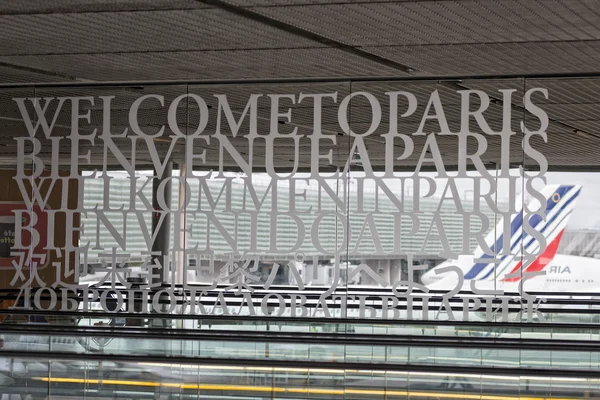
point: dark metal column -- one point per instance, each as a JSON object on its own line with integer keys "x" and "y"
{"x": 161, "y": 244}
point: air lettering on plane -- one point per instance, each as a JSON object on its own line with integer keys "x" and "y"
{"x": 557, "y": 269}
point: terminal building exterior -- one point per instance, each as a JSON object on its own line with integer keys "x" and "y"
{"x": 390, "y": 265}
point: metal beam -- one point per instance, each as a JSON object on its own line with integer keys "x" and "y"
{"x": 315, "y": 37}
{"x": 160, "y": 246}
{"x": 304, "y": 80}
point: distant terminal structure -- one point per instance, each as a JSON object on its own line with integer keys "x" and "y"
{"x": 330, "y": 232}
{"x": 390, "y": 266}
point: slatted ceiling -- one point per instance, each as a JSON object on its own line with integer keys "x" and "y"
{"x": 572, "y": 112}
{"x": 70, "y": 6}
{"x": 143, "y": 40}
{"x": 269, "y": 63}
{"x": 507, "y": 58}
{"x": 572, "y": 102}
{"x": 138, "y": 40}
{"x": 287, "y": 3}
{"x": 580, "y": 152}
{"x": 569, "y": 91}
{"x": 119, "y": 32}
{"x": 588, "y": 127}
{"x": 443, "y": 22}
{"x": 10, "y": 74}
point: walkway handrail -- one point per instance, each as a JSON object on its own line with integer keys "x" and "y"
{"x": 352, "y": 339}
{"x": 320, "y": 365}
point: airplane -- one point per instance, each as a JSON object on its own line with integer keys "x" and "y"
{"x": 558, "y": 273}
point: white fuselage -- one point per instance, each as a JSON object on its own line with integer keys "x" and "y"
{"x": 570, "y": 274}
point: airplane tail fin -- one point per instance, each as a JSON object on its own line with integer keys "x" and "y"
{"x": 559, "y": 205}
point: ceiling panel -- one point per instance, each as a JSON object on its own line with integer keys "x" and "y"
{"x": 11, "y": 74}
{"x": 444, "y": 37}
{"x": 206, "y": 65}
{"x": 74, "y": 6}
{"x": 139, "y": 40}
{"x": 443, "y": 22}
{"x": 137, "y": 32}
{"x": 287, "y": 3}
{"x": 497, "y": 59}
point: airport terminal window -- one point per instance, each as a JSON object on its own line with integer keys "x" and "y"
{"x": 275, "y": 199}
{"x": 373, "y": 186}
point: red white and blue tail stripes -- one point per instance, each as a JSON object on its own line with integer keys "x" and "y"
{"x": 560, "y": 202}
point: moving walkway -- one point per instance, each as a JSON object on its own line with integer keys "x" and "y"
{"x": 275, "y": 358}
